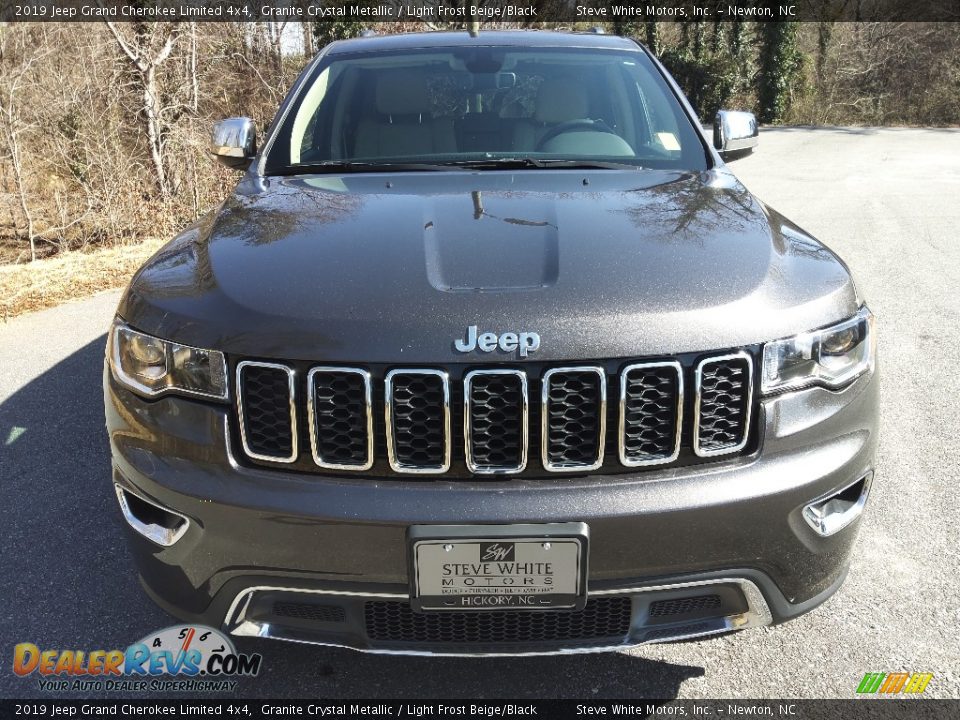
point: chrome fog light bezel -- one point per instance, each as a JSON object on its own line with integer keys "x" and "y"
{"x": 157, "y": 534}
{"x": 829, "y": 524}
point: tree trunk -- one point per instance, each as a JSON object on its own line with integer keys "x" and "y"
{"x": 308, "y": 46}
{"x": 194, "y": 78}
{"x": 823, "y": 45}
{"x": 717, "y": 39}
{"x": 698, "y": 39}
{"x": 778, "y": 66}
{"x": 22, "y": 191}
{"x": 146, "y": 68}
{"x": 151, "y": 114}
{"x": 653, "y": 36}
{"x": 736, "y": 39}
{"x": 10, "y": 122}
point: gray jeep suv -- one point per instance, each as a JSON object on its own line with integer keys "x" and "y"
{"x": 488, "y": 352}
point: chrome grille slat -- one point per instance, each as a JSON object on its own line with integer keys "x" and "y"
{"x": 338, "y": 428}
{"x": 486, "y": 421}
{"x": 723, "y": 404}
{"x": 651, "y": 413}
{"x": 262, "y": 409}
{"x": 574, "y": 413}
{"x": 402, "y": 452}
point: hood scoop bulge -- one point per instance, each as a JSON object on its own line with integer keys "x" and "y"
{"x": 485, "y": 242}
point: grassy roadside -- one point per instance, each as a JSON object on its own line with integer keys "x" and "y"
{"x": 45, "y": 283}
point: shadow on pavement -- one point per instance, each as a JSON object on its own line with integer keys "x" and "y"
{"x": 298, "y": 670}
{"x": 69, "y": 582}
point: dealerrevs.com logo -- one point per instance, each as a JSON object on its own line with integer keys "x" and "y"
{"x": 198, "y": 657}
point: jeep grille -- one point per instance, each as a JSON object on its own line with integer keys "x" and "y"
{"x": 496, "y": 430}
{"x": 531, "y": 420}
{"x": 268, "y": 418}
{"x": 418, "y": 420}
{"x": 724, "y": 399}
{"x": 339, "y": 413}
{"x": 651, "y": 413}
{"x": 574, "y": 418}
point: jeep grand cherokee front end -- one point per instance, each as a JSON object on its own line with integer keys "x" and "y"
{"x": 488, "y": 352}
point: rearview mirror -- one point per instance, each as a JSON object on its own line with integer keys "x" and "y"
{"x": 234, "y": 142}
{"x": 734, "y": 132}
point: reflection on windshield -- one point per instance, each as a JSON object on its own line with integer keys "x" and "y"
{"x": 517, "y": 106}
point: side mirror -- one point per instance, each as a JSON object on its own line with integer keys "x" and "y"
{"x": 234, "y": 142}
{"x": 734, "y": 132}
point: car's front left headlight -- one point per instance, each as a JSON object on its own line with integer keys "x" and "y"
{"x": 152, "y": 366}
{"x": 831, "y": 357}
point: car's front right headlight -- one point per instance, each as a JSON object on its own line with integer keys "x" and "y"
{"x": 831, "y": 357}
{"x": 152, "y": 366}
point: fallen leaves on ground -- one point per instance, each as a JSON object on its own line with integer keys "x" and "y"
{"x": 44, "y": 283}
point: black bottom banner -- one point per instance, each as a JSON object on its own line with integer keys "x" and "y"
{"x": 550, "y": 709}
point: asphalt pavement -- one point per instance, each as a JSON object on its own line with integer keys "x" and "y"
{"x": 887, "y": 200}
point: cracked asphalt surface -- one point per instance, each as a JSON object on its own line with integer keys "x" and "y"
{"x": 886, "y": 200}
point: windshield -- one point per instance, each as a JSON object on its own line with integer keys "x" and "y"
{"x": 485, "y": 107}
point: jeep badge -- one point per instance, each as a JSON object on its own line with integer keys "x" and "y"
{"x": 526, "y": 342}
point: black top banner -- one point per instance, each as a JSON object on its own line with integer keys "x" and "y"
{"x": 486, "y": 11}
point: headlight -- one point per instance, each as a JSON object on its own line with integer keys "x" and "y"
{"x": 152, "y": 366}
{"x": 831, "y": 357}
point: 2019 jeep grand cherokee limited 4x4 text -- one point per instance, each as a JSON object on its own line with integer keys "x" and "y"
{"x": 489, "y": 352}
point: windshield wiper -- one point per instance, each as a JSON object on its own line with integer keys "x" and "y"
{"x": 517, "y": 163}
{"x": 351, "y": 166}
{"x": 522, "y": 163}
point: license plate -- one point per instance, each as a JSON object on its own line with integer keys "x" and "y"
{"x": 499, "y": 567}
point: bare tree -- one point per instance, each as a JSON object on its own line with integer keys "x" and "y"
{"x": 146, "y": 61}
{"x": 12, "y": 123}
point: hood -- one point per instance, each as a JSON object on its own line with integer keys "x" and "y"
{"x": 396, "y": 267}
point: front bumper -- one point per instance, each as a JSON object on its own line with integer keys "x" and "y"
{"x": 255, "y": 537}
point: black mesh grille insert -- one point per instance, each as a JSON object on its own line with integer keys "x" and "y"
{"x": 684, "y": 606}
{"x": 266, "y": 411}
{"x": 309, "y": 611}
{"x": 678, "y": 631}
{"x": 496, "y": 418}
{"x": 724, "y": 403}
{"x": 651, "y": 395}
{"x": 603, "y": 619}
{"x": 419, "y": 430}
{"x": 340, "y": 417}
{"x": 573, "y": 417}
